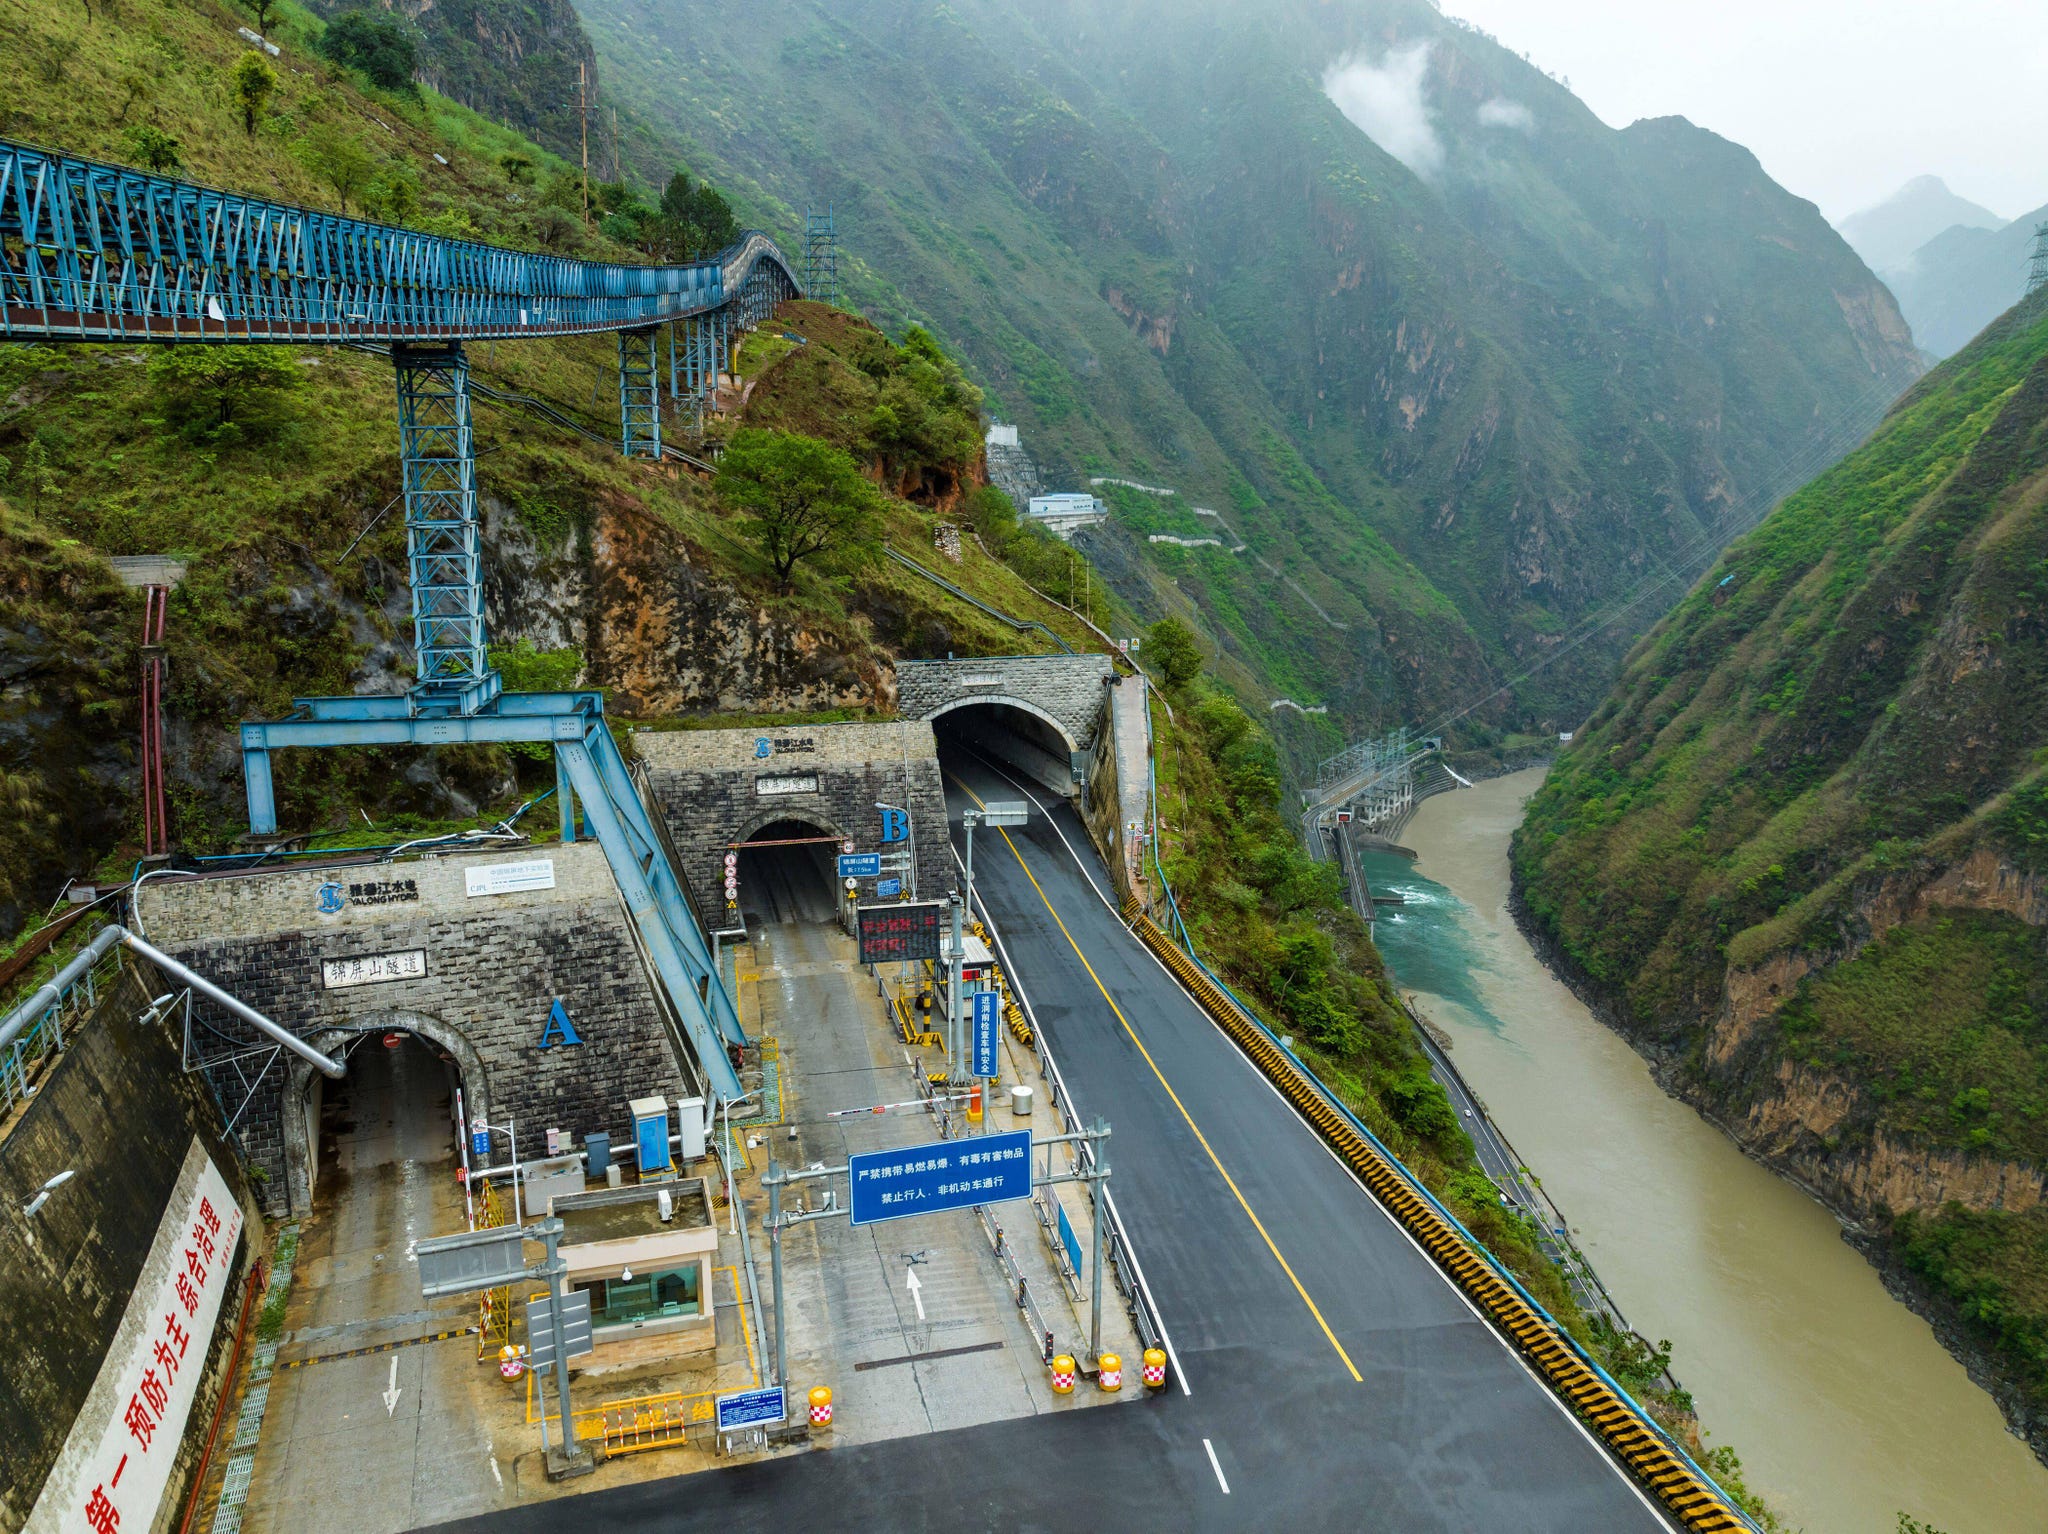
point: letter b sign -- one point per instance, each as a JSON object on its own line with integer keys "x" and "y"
{"x": 895, "y": 825}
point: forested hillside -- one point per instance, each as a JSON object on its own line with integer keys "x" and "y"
{"x": 1462, "y": 402}
{"x": 1801, "y": 854}
{"x": 271, "y": 474}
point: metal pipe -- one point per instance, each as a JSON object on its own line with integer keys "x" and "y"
{"x": 248, "y": 1014}
{"x": 50, "y": 994}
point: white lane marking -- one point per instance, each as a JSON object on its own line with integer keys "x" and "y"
{"x": 391, "y": 1391}
{"x": 496, "y": 1474}
{"x": 1213, "y": 1465}
{"x": 1130, "y": 1247}
{"x": 910, "y": 1282}
{"x": 1350, "y": 1173}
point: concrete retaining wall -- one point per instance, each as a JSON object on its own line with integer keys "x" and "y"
{"x": 495, "y": 965}
{"x": 118, "y": 1113}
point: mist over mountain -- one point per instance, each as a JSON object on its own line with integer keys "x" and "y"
{"x": 1963, "y": 279}
{"x": 1887, "y": 235}
{"x": 1468, "y": 368}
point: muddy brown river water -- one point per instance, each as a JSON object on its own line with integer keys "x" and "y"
{"x": 1845, "y": 1408}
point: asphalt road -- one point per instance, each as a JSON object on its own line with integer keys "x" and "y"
{"x": 1337, "y": 1380}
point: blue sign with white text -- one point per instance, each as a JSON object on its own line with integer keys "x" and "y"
{"x": 987, "y": 1008}
{"x": 751, "y": 1408}
{"x": 889, "y": 889}
{"x": 860, "y": 865}
{"x": 950, "y": 1174}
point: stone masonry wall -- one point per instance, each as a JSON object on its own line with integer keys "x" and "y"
{"x": 708, "y": 784}
{"x": 1068, "y": 688}
{"x": 495, "y": 965}
{"x": 118, "y": 1113}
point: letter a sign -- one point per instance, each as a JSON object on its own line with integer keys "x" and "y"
{"x": 559, "y": 1029}
{"x": 895, "y": 825}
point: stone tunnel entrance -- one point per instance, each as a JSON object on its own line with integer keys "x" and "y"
{"x": 391, "y": 1118}
{"x": 787, "y": 873}
{"x": 1013, "y": 734}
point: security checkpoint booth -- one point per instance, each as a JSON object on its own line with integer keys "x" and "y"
{"x": 643, "y": 1255}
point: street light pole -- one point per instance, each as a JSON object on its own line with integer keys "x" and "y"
{"x": 1100, "y": 1146}
{"x": 774, "y": 1179}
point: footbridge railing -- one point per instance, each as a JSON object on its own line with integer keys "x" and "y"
{"x": 96, "y": 252}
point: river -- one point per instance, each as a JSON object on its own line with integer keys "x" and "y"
{"x": 1844, "y": 1407}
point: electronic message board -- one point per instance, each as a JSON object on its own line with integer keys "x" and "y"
{"x": 901, "y": 931}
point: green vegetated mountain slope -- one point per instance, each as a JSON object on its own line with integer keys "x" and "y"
{"x": 272, "y": 473}
{"x": 1801, "y": 853}
{"x": 1461, "y": 409}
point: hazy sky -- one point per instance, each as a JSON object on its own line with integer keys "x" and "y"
{"x": 1842, "y": 100}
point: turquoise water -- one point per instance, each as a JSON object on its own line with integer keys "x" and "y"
{"x": 1844, "y": 1406}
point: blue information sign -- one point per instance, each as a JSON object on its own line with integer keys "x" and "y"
{"x": 751, "y": 1408}
{"x": 479, "y": 1142}
{"x": 949, "y": 1174}
{"x": 889, "y": 889}
{"x": 860, "y": 865}
{"x": 1070, "y": 1242}
{"x": 987, "y": 1005}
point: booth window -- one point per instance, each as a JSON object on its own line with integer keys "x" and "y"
{"x": 644, "y": 1297}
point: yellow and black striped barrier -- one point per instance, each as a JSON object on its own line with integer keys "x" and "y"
{"x": 1698, "y": 1503}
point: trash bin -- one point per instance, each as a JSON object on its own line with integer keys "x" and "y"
{"x": 1020, "y": 1102}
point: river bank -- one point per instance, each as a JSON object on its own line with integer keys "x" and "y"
{"x": 1845, "y": 1406}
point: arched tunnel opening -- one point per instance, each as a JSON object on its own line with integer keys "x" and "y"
{"x": 787, "y": 874}
{"x": 391, "y": 1116}
{"x": 1015, "y": 739}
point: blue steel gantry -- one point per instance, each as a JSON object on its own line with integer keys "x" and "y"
{"x": 92, "y": 252}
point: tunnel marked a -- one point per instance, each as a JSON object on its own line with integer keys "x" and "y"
{"x": 1201, "y": 1139}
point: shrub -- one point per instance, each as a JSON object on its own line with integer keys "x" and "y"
{"x": 376, "y": 46}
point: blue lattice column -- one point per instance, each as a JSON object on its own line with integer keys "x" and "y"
{"x": 639, "y": 393}
{"x": 437, "y": 459}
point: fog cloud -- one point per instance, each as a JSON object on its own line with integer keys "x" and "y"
{"x": 1386, "y": 101}
{"x": 1499, "y": 112}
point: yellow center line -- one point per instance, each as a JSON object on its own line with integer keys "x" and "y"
{"x": 1201, "y": 1138}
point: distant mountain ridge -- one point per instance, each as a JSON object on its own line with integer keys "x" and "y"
{"x": 1469, "y": 407}
{"x": 1962, "y": 280}
{"x": 1886, "y": 235}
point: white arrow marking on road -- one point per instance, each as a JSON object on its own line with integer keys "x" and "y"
{"x": 916, "y": 1290}
{"x": 391, "y": 1391}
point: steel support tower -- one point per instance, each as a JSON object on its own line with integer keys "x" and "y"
{"x": 639, "y": 393}
{"x": 2037, "y": 272}
{"x": 437, "y": 464}
{"x": 821, "y": 255}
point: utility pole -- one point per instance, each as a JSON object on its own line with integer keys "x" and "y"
{"x": 583, "y": 123}
{"x": 1099, "y": 1148}
{"x": 955, "y": 1066}
{"x": 617, "y": 174}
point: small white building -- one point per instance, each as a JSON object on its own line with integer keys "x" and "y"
{"x": 1061, "y": 514}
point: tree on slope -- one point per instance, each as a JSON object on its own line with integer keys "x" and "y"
{"x": 800, "y": 499}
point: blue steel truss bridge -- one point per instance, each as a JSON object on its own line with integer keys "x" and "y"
{"x": 102, "y": 253}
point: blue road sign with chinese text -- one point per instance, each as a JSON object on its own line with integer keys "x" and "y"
{"x": 860, "y": 865}
{"x": 751, "y": 1408}
{"x": 889, "y": 889}
{"x": 949, "y": 1174}
{"x": 987, "y": 1005}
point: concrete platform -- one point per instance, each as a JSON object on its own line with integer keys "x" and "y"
{"x": 973, "y": 1357}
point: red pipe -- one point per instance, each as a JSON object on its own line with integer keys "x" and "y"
{"x": 258, "y": 1274}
